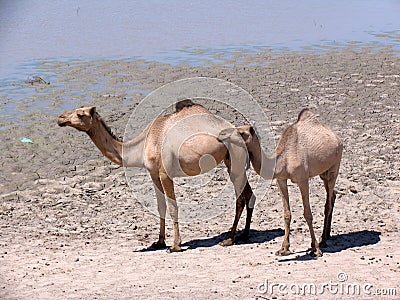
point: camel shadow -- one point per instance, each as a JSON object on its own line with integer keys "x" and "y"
{"x": 340, "y": 242}
{"x": 336, "y": 243}
{"x": 255, "y": 236}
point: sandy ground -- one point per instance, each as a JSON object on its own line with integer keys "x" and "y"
{"x": 71, "y": 227}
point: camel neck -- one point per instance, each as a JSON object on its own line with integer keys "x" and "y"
{"x": 133, "y": 151}
{"x": 106, "y": 142}
{"x": 127, "y": 154}
{"x": 263, "y": 164}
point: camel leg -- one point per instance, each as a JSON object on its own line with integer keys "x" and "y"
{"x": 287, "y": 215}
{"x": 248, "y": 195}
{"x": 242, "y": 198}
{"x": 329, "y": 179}
{"x": 168, "y": 186}
{"x": 240, "y": 203}
{"x": 161, "y": 205}
{"x": 304, "y": 189}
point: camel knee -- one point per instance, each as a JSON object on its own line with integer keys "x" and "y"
{"x": 162, "y": 208}
{"x": 251, "y": 202}
{"x": 328, "y": 207}
{"x": 249, "y": 196}
{"x": 240, "y": 202}
{"x": 173, "y": 211}
{"x": 308, "y": 216}
{"x": 287, "y": 216}
{"x": 174, "y": 216}
{"x": 240, "y": 183}
{"x": 162, "y": 213}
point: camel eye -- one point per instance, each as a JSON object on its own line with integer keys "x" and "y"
{"x": 80, "y": 115}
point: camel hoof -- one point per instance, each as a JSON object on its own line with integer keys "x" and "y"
{"x": 283, "y": 252}
{"x": 227, "y": 242}
{"x": 174, "y": 249}
{"x": 315, "y": 252}
{"x": 158, "y": 245}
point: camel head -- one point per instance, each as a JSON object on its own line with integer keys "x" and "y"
{"x": 247, "y": 133}
{"x": 81, "y": 118}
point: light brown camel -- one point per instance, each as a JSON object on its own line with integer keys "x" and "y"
{"x": 180, "y": 144}
{"x": 306, "y": 149}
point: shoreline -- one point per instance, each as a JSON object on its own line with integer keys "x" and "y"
{"x": 16, "y": 90}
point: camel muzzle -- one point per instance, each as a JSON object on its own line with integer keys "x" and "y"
{"x": 64, "y": 118}
{"x": 62, "y": 121}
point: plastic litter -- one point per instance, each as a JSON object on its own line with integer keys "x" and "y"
{"x": 26, "y": 140}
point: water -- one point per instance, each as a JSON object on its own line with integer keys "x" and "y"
{"x": 37, "y": 29}
{"x": 175, "y": 31}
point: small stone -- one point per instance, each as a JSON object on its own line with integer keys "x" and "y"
{"x": 353, "y": 190}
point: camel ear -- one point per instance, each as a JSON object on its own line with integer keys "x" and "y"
{"x": 252, "y": 131}
{"x": 92, "y": 110}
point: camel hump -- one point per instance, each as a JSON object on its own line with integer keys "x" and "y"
{"x": 182, "y": 104}
{"x": 305, "y": 114}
